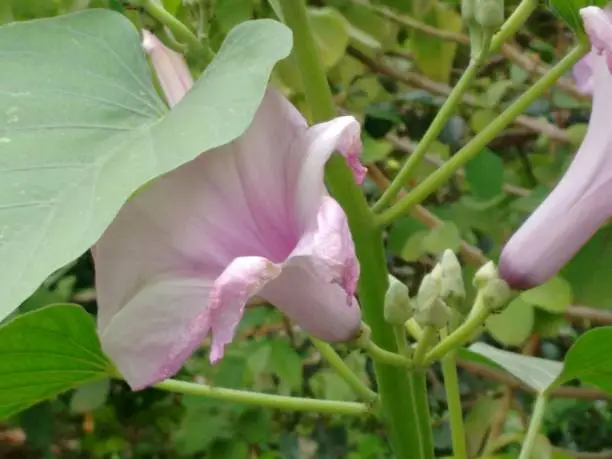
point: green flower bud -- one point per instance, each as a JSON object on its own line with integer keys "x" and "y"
{"x": 430, "y": 288}
{"x": 468, "y": 10}
{"x": 365, "y": 336}
{"x": 496, "y": 295}
{"x": 398, "y": 305}
{"x": 486, "y": 273}
{"x": 435, "y": 313}
{"x": 490, "y": 13}
{"x": 431, "y": 309}
{"x": 452, "y": 287}
{"x": 495, "y": 292}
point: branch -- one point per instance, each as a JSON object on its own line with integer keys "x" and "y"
{"x": 421, "y": 82}
{"x": 505, "y": 378}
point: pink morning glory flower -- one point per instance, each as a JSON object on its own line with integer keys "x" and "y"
{"x": 580, "y": 203}
{"x": 250, "y": 218}
{"x": 583, "y": 70}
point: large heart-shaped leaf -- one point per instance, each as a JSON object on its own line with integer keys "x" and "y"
{"x": 81, "y": 128}
{"x": 46, "y": 352}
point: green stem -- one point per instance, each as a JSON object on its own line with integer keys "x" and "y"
{"x": 180, "y": 31}
{"x": 427, "y": 338}
{"x": 518, "y": 17}
{"x": 442, "y": 117}
{"x": 398, "y": 410}
{"x": 462, "y": 335}
{"x": 534, "y": 427}
{"x": 485, "y": 47}
{"x": 475, "y": 146}
{"x": 381, "y": 355}
{"x": 421, "y": 402}
{"x": 417, "y": 390}
{"x": 328, "y": 353}
{"x": 279, "y": 402}
{"x": 413, "y": 329}
{"x": 453, "y": 398}
{"x": 400, "y": 339}
{"x": 306, "y": 56}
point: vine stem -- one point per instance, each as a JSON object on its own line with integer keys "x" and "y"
{"x": 279, "y": 402}
{"x": 488, "y": 45}
{"x": 180, "y": 31}
{"x": 381, "y": 355}
{"x": 427, "y": 338}
{"x": 332, "y": 357}
{"x": 534, "y": 426}
{"x": 518, "y": 17}
{"x": 399, "y": 411}
{"x": 442, "y": 117}
{"x": 475, "y": 146}
{"x": 453, "y": 399}
{"x": 462, "y": 334}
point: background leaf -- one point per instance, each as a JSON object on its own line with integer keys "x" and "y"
{"x": 513, "y": 325}
{"x": 590, "y": 271}
{"x": 590, "y": 359}
{"x": 552, "y": 296}
{"x": 485, "y": 174}
{"x": 434, "y": 56}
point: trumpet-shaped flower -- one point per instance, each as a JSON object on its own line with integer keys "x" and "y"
{"x": 580, "y": 203}
{"x": 250, "y": 218}
{"x": 583, "y": 70}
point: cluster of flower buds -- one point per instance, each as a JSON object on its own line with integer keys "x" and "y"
{"x": 441, "y": 291}
{"x": 441, "y": 295}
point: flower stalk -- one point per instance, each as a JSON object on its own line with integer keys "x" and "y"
{"x": 475, "y": 146}
{"x": 534, "y": 427}
{"x": 453, "y": 398}
{"x": 428, "y": 337}
{"x": 180, "y": 31}
{"x": 462, "y": 334}
{"x": 358, "y": 386}
{"x": 279, "y": 402}
{"x": 482, "y": 45}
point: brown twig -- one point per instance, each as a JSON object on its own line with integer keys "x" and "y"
{"x": 419, "y": 81}
{"x": 499, "y": 418}
{"x": 588, "y": 314}
{"x": 502, "y": 377}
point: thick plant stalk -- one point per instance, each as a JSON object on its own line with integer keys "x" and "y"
{"x": 394, "y": 384}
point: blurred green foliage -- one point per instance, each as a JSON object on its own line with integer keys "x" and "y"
{"x": 390, "y": 63}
